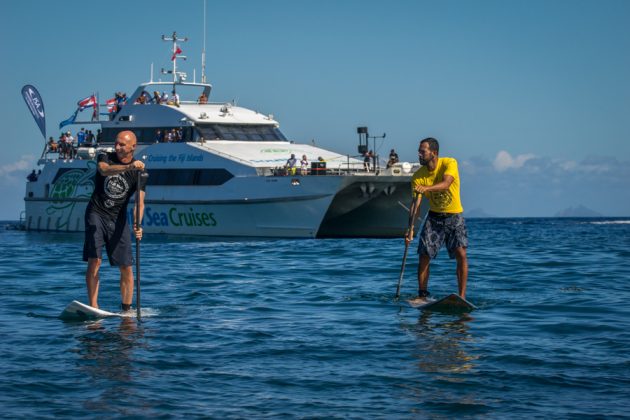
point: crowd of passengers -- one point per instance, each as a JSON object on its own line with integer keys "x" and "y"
{"x": 67, "y": 145}
{"x": 166, "y": 135}
{"x": 157, "y": 98}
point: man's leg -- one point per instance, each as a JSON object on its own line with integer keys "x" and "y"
{"x": 91, "y": 281}
{"x": 126, "y": 286}
{"x": 423, "y": 274}
{"x": 462, "y": 270}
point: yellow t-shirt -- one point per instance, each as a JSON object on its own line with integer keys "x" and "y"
{"x": 440, "y": 201}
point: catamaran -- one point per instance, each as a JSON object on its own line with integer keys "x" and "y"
{"x": 221, "y": 170}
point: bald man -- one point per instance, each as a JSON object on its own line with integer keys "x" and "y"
{"x": 106, "y": 217}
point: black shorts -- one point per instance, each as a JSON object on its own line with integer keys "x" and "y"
{"x": 443, "y": 228}
{"x": 115, "y": 236}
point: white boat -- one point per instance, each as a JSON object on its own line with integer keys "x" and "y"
{"x": 225, "y": 177}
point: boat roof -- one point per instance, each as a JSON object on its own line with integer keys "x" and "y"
{"x": 270, "y": 154}
{"x": 208, "y": 113}
{"x": 223, "y": 114}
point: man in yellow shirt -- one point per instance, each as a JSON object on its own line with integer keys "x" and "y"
{"x": 438, "y": 181}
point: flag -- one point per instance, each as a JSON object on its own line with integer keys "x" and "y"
{"x": 69, "y": 120}
{"x": 177, "y": 51}
{"x": 36, "y": 106}
{"x": 111, "y": 105}
{"x": 90, "y": 101}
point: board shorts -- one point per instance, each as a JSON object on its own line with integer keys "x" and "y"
{"x": 115, "y": 236}
{"x": 443, "y": 228}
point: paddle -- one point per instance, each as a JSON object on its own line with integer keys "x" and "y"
{"x": 402, "y": 267}
{"x": 402, "y": 270}
{"x": 138, "y": 245}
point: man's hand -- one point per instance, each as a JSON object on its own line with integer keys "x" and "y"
{"x": 138, "y": 232}
{"x": 420, "y": 189}
{"x": 409, "y": 236}
{"x": 136, "y": 165}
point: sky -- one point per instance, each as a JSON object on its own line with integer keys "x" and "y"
{"x": 531, "y": 97}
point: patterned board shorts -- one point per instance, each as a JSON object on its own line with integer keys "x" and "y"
{"x": 443, "y": 228}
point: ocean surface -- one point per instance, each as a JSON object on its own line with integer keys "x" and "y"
{"x": 310, "y": 328}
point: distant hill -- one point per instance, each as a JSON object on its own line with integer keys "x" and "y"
{"x": 578, "y": 211}
{"x": 477, "y": 213}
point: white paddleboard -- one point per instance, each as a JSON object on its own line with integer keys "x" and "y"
{"x": 450, "y": 303}
{"x": 80, "y": 311}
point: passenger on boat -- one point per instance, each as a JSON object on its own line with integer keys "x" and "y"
{"x": 32, "y": 177}
{"x": 290, "y": 165}
{"x": 367, "y": 157}
{"x": 203, "y": 99}
{"x": 81, "y": 137}
{"x": 159, "y": 136}
{"x": 69, "y": 146}
{"x": 156, "y": 97}
{"x": 175, "y": 98}
{"x": 99, "y": 137}
{"x": 304, "y": 165}
{"x": 393, "y": 158}
{"x": 89, "y": 138}
{"x": 52, "y": 145}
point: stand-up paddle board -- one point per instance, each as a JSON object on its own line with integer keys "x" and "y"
{"x": 450, "y": 303}
{"x": 80, "y": 311}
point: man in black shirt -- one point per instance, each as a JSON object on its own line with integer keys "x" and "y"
{"x": 106, "y": 217}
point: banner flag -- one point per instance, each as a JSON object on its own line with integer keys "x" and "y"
{"x": 111, "y": 105}
{"x": 36, "y": 106}
{"x": 69, "y": 120}
{"x": 87, "y": 102}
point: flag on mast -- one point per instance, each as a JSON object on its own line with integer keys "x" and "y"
{"x": 177, "y": 51}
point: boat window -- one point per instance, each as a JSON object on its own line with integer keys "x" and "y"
{"x": 146, "y": 135}
{"x": 172, "y": 177}
{"x": 246, "y": 132}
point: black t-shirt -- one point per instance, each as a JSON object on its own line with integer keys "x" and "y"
{"x": 112, "y": 193}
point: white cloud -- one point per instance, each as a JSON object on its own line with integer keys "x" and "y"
{"x": 21, "y": 165}
{"x": 505, "y": 161}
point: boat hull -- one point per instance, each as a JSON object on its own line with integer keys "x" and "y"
{"x": 242, "y": 204}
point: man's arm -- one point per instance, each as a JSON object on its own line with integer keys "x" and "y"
{"x": 440, "y": 186}
{"x": 107, "y": 169}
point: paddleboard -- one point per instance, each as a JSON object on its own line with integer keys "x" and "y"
{"x": 450, "y": 303}
{"x": 80, "y": 311}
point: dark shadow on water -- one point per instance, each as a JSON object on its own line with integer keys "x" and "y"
{"x": 106, "y": 358}
{"x": 441, "y": 342}
{"x": 441, "y": 354}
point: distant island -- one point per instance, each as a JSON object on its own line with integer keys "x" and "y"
{"x": 477, "y": 213}
{"x": 578, "y": 211}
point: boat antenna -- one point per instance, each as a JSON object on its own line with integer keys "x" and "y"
{"x": 203, "y": 53}
{"x": 178, "y": 76}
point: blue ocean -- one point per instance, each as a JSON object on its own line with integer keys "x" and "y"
{"x": 311, "y": 329}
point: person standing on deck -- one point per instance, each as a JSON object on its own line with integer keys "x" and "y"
{"x": 106, "y": 217}
{"x": 438, "y": 181}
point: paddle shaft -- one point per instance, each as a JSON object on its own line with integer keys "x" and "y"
{"x": 402, "y": 270}
{"x": 137, "y": 225}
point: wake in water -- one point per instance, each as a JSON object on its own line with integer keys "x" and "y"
{"x": 611, "y": 222}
